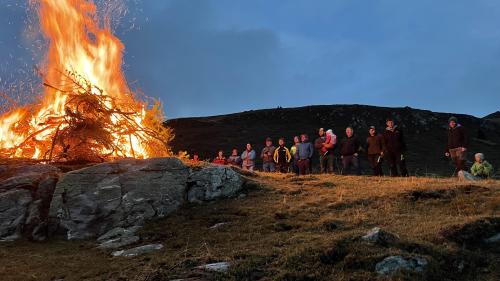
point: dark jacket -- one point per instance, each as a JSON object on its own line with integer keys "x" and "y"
{"x": 282, "y": 155}
{"x": 267, "y": 154}
{"x": 349, "y": 146}
{"x": 375, "y": 144}
{"x": 304, "y": 151}
{"x": 456, "y": 138}
{"x": 394, "y": 140}
{"x": 234, "y": 160}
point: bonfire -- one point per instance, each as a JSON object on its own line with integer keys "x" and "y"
{"x": 87, "y": 111}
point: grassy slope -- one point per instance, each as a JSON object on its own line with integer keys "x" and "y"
{"x": 290, "y": 228}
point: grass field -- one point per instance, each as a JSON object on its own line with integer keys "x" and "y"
{"x": 290, "y": 228}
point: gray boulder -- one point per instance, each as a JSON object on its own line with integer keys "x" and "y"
{"x": 25, "y": 195}
{"x": 212, "y": 182}
{"x": 118, "y": 237}
{"x": 393, "y": 264}
{"x": 89, "y": 202}
{"x": 379, "y": 236}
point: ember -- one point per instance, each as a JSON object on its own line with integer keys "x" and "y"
{"x": 87, "y": 112}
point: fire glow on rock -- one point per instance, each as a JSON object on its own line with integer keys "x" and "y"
{"x": 87, "y": 111}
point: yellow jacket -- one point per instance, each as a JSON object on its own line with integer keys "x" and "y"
{"x": 283, "y": 149}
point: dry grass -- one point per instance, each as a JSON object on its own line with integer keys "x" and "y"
{"x": 290, "y": 228}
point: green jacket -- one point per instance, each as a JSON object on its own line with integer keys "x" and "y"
{"x": 483, "y": 169}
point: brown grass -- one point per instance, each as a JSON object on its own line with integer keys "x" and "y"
{"x": 290, "y": 228}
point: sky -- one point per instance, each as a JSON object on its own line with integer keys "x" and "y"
{"x": 210, "y": 57}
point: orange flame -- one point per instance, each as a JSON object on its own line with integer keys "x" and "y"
{"x": 78, "y": 45}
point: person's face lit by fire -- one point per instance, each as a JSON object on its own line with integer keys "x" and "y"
{"x": 349, "y": 132}
{"x": 390, "y": 124}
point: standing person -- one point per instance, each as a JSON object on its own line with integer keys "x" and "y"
{"x": 248, "y": 158}
{"x": 220, "y": 159}
{"x": 267, "y": 156}
{"x": 395, "y": 147}
{"x": 282, "y": 156}
{"x": 349, "y": 149}
{"x": 375, "y": 151}
{"x": 303, "y": 155}
{"x": 234, "y": 159}
{"x": 456, "y": 148}
{"x": 325, "y": 145}
{"x": 293, "y": 149}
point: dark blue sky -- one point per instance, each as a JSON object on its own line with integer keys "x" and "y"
{"x": 207, "y": 57}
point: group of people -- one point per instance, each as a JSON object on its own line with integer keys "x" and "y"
{"x": 389, "y": 146}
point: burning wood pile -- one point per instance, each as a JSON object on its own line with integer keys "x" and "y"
{"x": 87, "y": 112}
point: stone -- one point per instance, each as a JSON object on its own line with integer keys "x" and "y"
{"x": 25, "y": 194}
{"x": 125, "y": 193}
{"x": 120, "y": 242}
{"x": 141, "y": 250}
{"x": 379, "y": 236}
{"x": 118, "y": 237}
{"x": 217, "y": 267}
{"x": 118, "y": 232}
{"x": 212, "y": 182}
{"x": 90, "y": 202}
{"x": 13, "y": 208}
{"x": 218, "y": 225}
{"x": 393, "y": 264}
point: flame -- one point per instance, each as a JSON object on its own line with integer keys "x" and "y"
{"x": 81, "y": 51}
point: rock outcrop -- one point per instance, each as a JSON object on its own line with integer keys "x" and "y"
{"x": 89, "y": 202}
{"x": 25, "y": 196}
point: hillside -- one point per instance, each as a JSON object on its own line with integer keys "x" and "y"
{"x": 290, "y": 228}
{"x": 425, "y": 131}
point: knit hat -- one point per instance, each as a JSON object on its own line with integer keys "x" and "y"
{"x": 372, "y": 127}
{"x": 453, "y": 118}
{"x": 268, "y": 139}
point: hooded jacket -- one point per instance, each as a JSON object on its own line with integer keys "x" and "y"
{"x": 456, "y": 138}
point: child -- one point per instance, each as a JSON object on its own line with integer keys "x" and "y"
{"x": 331, "y": 138}
{"x": 480, "y": 170}
{"x": 481, "y": 167}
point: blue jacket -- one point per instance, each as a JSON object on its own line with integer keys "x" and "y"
{"x": 250, "y": 160}
{"x": 304, "y": 151}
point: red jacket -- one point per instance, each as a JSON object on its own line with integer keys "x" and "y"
{"x": 219, "y": 161}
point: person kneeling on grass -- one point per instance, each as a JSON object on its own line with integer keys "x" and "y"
{"x": 480, "y": 170}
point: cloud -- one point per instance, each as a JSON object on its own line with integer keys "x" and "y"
{"x": 198, "y": 69}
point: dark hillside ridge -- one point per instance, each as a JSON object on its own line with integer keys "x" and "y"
{"x": 425, "y": 131}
